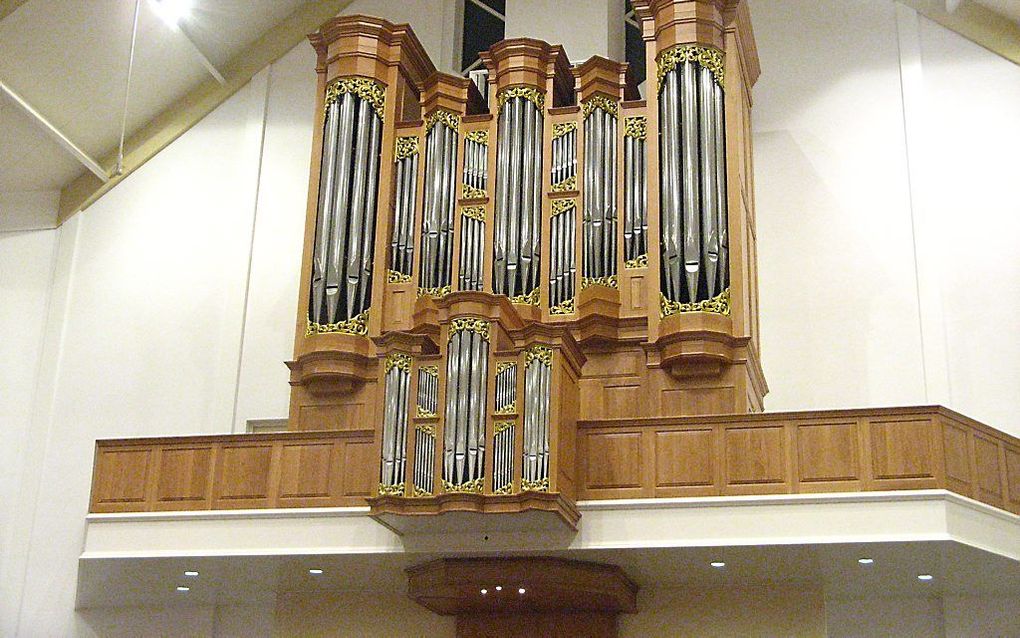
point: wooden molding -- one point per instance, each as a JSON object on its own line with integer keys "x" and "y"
{"x": 452, "y": 586}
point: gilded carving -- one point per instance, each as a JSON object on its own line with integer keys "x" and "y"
{"x": 395, "y": 277}
{"x": 435, "y": 293}
{"x": 641, "y": 261}
{"x": 443, "y": 116}
{"x": 471, "y": 487}
{"x": 405, "y": 147}
{"x": 354, "y": 326}
{"x": 564, "y": 308}
{"x": 505, "y": 490}
{"x": 538, "y": 353}
{"x": 471, "y": 324}
{"x": 501, "y": 426}
{"x": 530, "y": 299}
{"x": 636, "y": 127}
{"x": 509, "y": 408}
{"x": 426, "y": 428}
{"x": 535, "y": 486}
{"x": 470, "y": 192}
{"x": 710, "y": 58}
{"x": 608, "y": 282}
{"x": 563, "y": 205}
{"x": 503, "y": 366}
{"x": 599, "y": 101}
{"x": 719, "y": 304}
{"x": 391, "y": 490}
{"x": 478, "y": 136}
{"x": 529, "y": 93}
{"x": 569, "y": 184}
{"x": 365, "y": 88}
{"x": 398, "y": 360}
{"x": 474, "y": 212}
{"x": 562, "y": 128}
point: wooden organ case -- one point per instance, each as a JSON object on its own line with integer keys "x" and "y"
{"x": 481, "y": 273}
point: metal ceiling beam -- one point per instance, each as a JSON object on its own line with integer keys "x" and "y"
{"x": 196, "y": 104}
{"x": 977, "y": 23}
{"x": 61, "y": 139}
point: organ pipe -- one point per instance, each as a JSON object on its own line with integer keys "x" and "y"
{"x": 405, "y": 200}
{"x": 395, "y": 419}
{"x": 439, "y": 203}
{"x": 692, "y": 162}
{"x": 599, "y": 216}
{"x": 464, "y": 420}
{"x": 518, "y": 204}
{"x": 340, "y": 290}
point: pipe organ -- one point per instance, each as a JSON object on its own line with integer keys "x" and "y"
{"x": 480, "y": 276}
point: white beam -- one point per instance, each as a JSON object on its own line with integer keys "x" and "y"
{"x": 64, "y": 141}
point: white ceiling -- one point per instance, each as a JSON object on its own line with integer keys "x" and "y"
{"x": 830, "y": 568}
{"x": 68, "y": 59}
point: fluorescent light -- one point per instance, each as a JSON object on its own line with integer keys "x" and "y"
{"x": 865, "y": 561}
{"x": 924, "y": 577}
{"x": 315, "y": 571}
{"x": 172, "y": 11}
{"x": 717, "y": 563}
{"x": 183, "y": 588}
{"x": 190, "y": 573}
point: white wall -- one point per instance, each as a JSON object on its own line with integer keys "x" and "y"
{"x": 887, "y": 201}
{"x": 170, "y": 302}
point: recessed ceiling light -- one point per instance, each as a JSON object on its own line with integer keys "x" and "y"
{"x": 172, "y": 11}
{"x": 924, "y": 577}
{"x": 190, "y": 573}
{"x": 865, "y": 561}
{"x": 499, "y": 588}
{"x": 521, "y": 590}
{"x": 315, "y": 571}
{"x": 717, "y": 563}
{"x": 485, "y": 591}
{"x": 183, "y": 588}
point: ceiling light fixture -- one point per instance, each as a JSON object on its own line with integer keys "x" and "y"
{"x": 499, "y": 588}
{"x": 865, "y": 561}
{"x": 925, "y": 577}
{"x": 191, "y": 573}
{"x": 717, "y": 564}
{"x": 172, "y": 11}
{"x": 521, "y": 590}
{"x": 182, "y": 588}
{"x": 485, "y": 591}
{"x": 316, "y": 572}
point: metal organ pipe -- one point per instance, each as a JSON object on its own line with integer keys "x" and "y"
{"x": 464, "y": 423}
{"x": 693, "y": 179}
{"x": 599, "y": 221}
{"x": 341, "y": 284}
{"x": 395, "y": 418}
{"x": 440, "y": 202}
{"x": 518, "y": 202}
{"x": 402, "y": 239}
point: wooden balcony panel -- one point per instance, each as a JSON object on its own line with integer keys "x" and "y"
{"x": 774, "y": 453}
{"x": 244, "y": 471}
{"x": 798, "y": 452}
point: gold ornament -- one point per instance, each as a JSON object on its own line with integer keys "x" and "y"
{"x": 563, "y": 205}
{"x": 538, "y": 353}
{"x": 478, "y": 136}
{"x": 569, "y": 184}
{"x": 470, "y": 324}
{"x": 530, "y": 299}
{"x": 608, "y": 282}
{"x": 641, "y": 261}
{"x": 471, "y": 487}
{"x": 599, "y": 101}
{"x": 719, "y": 304}
{"x": 405, "y": 147}
{"x": 398, "y": 360}
{"x": 448, "y": 118}
{"x": 435, "y": 293}
{"x": 367, "y": 89}
{"x": 561, "y": 129}
{"x": 710, "y": 58}
{"x": 471, "y": 192}
{"x": 529, "y": 93}
{"x": 394, "y": 277}
{"x": 391, "y": 490}
{"x": 354, "y": 326}
{"x": 474, "y": 212}
{"x": 563, "y": 308}
{"x": 535, "y": 486}
{"x": 636, "y": 127}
